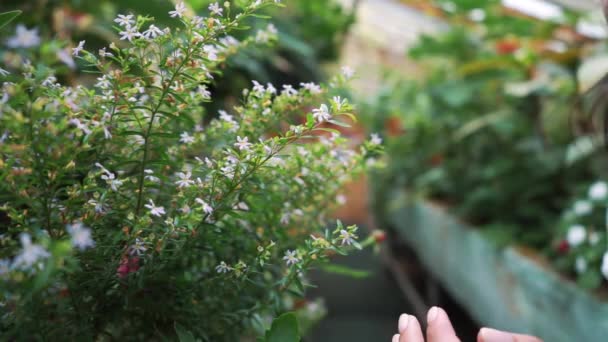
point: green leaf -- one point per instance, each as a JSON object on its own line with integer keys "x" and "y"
{"x": 325, "y": 129}
{"x": 591, "y": 279}
{"x": 284, "y": 329}
{"x": 345, "y": 271}
{"x": 7, "y": 17}
{"x": 310, "y": 121}
{"x": 183, "y": 335}
{"x": 338, "y": 123}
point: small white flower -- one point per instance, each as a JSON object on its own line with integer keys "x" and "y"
{"x": 84, "y": 128}
{"x": 321, "y": 114}
{"x": 222, "y": 268}
{"x": 288, "y": 90}
{"x": 24, "y": 38}
{"x": 180, "y": 9}
{"x": 285, "y": 217}
{"x": 576, "y": 235}
{"x": 211, "y": 52}
{"x": 152, "y": 32}
{"x": 272, "y": 29}
{"x": 98, "y": 206}
{"x": 215, "y": 9}
{"x": 138, "y": 248}
{"x": 103, "y": 82}
{"x": 154, "y": 210}
{"x": 375, "y": 139}
{"x": 582, "y": 207}
{"x": 207, "y": 209}
{"x": 125, "y": 20}
{"x": 347, "y": 238}
{"x": 339, "y": 102}
{"x": 241, "y": 206}
{"x": 203, "y": 92}
{"x": 50, "y": 81}
{"x": 109, "y": 177}
{"x": 604, "y": 268}
{"x": 348, "y": 72}
{"x": 228, "y": 171}
{"x": 30, "y": 253}
{"x": 291, "y": 258}
{"x": 341, "y": 199}
{"x": 81, "y": 236}
{"x": 242, "y": 143}
{"x": 311, "y": 87}
{"x": 129, "y": 33}
{"x": 186, "y": 138}
{"x": 477, "y": 15}
{"x": 184, "y": 180}
{"x": 270, "y": 89}
{"x": 64, "y": 56}
{"x": 258, "y": 88}
{"x": 103, "y": 53}
{"x": 580, "y": 265}
{"x": 76, "y": 51}
{"x": 598, "y": 191}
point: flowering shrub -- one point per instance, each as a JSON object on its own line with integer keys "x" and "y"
{"x": 127, "y": 211}
{"x": 581, "y": 248}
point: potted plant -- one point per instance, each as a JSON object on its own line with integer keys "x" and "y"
{"x": 129, "y": 212}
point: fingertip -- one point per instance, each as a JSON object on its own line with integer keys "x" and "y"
{"x": 493, "y": 335}
{"x": 412, "y": 332}
{"x": 404, "y": 320}
{"x": 439, "y": 328}
{"x": 395, "y": 338}
{"x": 432, "y": 314}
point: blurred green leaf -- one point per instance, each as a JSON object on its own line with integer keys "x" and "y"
{"x": 345, "y": 271}
{"x": 284, "y": 329}
{"x": 7, "y": 17}
{"x": 183, "y": 335}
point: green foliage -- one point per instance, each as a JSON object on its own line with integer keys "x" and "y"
{"x": 130, "y": 211}
{"x": 310, "y": 33}
{"x": 284, "y": 329}
{"x": 7, "y": 17}
{"x": 581, "y": 237}
{"x": 490, "y": 127}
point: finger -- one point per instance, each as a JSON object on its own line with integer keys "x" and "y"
{"x": 439, "y": 328}
{"x": 395, "y": 338}
{"x": 409, "y": 329}
{"x": 492, "y": 335}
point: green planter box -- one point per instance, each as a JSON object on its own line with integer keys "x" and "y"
{"x": 502, "y": 288}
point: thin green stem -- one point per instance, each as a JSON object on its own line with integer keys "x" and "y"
{"x": 166, "y": 88}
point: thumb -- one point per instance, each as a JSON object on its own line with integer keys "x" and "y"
{"x": 492, "y": 335}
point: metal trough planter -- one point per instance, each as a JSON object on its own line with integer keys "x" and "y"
{"x": 503, "y": 288}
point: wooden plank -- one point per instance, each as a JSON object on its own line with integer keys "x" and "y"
{"x": 501, "y": 288}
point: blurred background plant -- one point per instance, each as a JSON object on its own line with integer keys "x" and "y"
{"x": 498, "y": 126}
{"x": 310, "y": 34}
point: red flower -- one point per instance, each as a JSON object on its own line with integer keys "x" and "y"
{"x": 379, "y": 236}
{"x": 563, "y": 247}
{"x": 437, "y": 159}
{"x": 127, "y": 265}
{"x": 507, "y": 46}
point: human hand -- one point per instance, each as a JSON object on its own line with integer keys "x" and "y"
{"x": 439, "y": 329}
